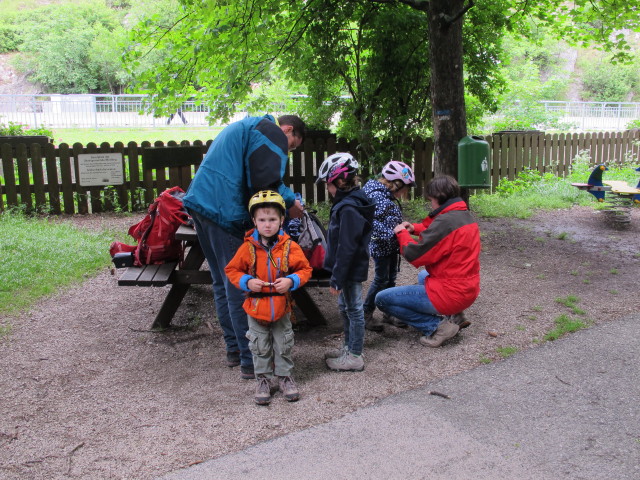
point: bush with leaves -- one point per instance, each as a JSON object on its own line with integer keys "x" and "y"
{"x": 17, "y": 129}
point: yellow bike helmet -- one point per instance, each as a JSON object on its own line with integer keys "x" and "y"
{"x": 267, "y": 198}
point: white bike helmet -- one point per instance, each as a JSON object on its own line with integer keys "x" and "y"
{"x": 345, "y": 159}
{"x": 395, "y": 170}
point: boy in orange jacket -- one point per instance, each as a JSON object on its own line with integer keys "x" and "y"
{"x": 268, "y": 265}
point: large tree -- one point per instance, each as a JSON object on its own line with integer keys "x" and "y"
{"x": 216, "y": 50}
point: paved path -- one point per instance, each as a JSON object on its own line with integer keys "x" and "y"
{"x": 569, "y": 409}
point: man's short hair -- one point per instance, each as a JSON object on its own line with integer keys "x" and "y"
{"x": 443, "y": 188}
{"x": 299, "y": 128}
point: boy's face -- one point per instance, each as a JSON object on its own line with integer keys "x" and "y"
{"x": 267, "y": 220}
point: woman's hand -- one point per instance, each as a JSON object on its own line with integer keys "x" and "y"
{"x": 403, "y": 226}
{"x": 333, "y": 291}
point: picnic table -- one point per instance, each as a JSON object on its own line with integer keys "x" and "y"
{"x": 182, "y": 276}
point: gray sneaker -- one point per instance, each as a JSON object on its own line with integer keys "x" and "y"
{"x": 336, "y": 353}
{"x": 386, "y": 318}
{"x": 370, "y": 323}
{"x": 346, "y": 363}
{"x": 444, "y": 332}
{"x": 263, "y": 391}
{"x": 289, "y": 389}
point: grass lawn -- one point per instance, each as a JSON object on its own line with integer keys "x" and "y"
{"x": 138, "y": 135}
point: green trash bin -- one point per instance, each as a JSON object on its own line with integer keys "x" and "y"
{"x": 474, "y": 162}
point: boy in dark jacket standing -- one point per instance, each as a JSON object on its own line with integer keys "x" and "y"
{"x": 347, "y": 257}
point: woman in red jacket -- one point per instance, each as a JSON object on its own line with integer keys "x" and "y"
{"x": 448, "y": 246}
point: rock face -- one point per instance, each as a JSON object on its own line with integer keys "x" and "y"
{"x": 13, "y": 82}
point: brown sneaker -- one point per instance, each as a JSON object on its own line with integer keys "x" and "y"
{"x": 386, "y": 318}
{"x": 289, "y": 389}
{"x": 263, "y": 391}
{"x": 371, "y": 323}
{"x": 444, "y": 332}
{"x": 460, "y": 320}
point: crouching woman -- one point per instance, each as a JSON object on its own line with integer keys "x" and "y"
{"x": 448, "y": 246}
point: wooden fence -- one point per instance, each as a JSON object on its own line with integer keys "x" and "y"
{"x": 43, "y": 178}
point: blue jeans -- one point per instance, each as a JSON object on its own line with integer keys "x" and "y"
{"x": 385, "y": 273}
{"x": 219, "y": 247}
{"x": 350, "y": 306}
{"x": 411, "y": 305}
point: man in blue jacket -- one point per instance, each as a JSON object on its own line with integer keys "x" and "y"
{"x": 246, "y": 157}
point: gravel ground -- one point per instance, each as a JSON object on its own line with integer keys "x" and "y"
{"x": 89, "y": 392}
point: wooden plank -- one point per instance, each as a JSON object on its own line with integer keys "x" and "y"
{"x": 38, "y": 179}
{"x": 106, "y": 195}
{"x": 606, "y": 144}
{"x": 82, "y": 195}
{"x": 171, "y": 156}
{"x": 619, "y": 153}
{"x": 53, "y": 184}
{"x": 163, "y": 274}
{"x": 135, "y": 182}
{"x": 540, "y": 141}
{"x": 190, "y": 277}
{"x": 122, "y": 190}
{"x": 8, "y": 169}
{"x": 130, "y": 276}
{"x": 494, "y": 141}
{"x": 24, "y": 183}
{"x": 67, "y": 178}
{"x": 147, "y": 180}
{"x": 146, "y": 276}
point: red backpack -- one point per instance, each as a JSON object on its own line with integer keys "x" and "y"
{"x": 155, "y": 233}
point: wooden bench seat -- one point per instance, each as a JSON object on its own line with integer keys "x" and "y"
{"x": 148, "y": 275}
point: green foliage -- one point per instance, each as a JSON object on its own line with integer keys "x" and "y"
{"x": 564, "y": 324}
{"x": 530, "y": 191}
{"x": 633, "y": 124}
{"x": 71, "y": 48}
{"x": 604, "y": 81}
{"x": 506, "y": 352}
{"x": 37, "y": 257}
{"x": 9, "y": 38}
{"x": 17, "y": 129}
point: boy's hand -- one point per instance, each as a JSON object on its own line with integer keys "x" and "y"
{"x": 333, "y": 291}
{"x": 255, "y": 285}
{"x": 283, "y": 285}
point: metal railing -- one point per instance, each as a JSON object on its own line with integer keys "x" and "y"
{"x": 95, "y": 111}
{"x": 588, "y": 116}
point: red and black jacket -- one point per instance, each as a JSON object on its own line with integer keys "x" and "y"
{"x": 449, "y": 248}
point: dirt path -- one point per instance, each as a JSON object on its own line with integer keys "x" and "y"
{"x": 88, "y": 392}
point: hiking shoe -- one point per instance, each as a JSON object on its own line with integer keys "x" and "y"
{"x": 386, "y": 318}
{"x": 444, "y": 332}
{"x": 346, "y": 363}
{"x": 460, "y": 320}
{"x": 289, "y": 389}
{"x": 263, "y": 391}
{"x": 247, "y": 373}
{"x": 371, "y": 323}
{"x": 337, "y": 352}
{"x": 233, "y": 359}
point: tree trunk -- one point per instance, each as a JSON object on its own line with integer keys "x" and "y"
{"x": 447, "y": 83}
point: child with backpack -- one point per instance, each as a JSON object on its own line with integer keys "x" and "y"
{"x": 267, "y": 266}
{"x": 394, "y": 182}
{"x": 347, "y": 257}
